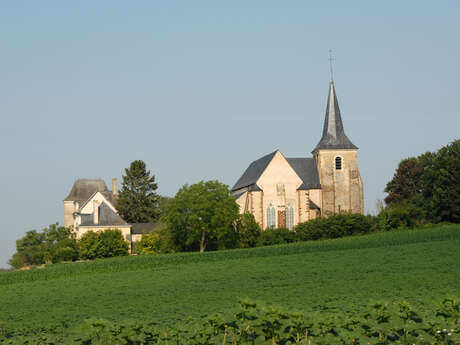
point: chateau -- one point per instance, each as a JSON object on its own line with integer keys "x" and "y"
{"x": 281, "y": 192}
{"x": 90, "y": 207}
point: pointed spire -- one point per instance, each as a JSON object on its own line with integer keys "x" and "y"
{"x": 333, "y": 133}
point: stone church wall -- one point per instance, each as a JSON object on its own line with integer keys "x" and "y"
{"x": 341, "y": 189}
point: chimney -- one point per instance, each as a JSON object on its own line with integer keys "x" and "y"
{"x": 95, "y": 212}
{"x": 114, "y": 187}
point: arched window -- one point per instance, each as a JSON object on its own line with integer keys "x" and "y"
{"x": 271, "y": 218}
{"x": 338, "y": 163}
{"x": 289, "y": 216}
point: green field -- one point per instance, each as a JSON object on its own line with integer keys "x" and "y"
{"x": 421, "y": 266}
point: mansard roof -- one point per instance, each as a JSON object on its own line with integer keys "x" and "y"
{"x": 107, "y": 217}
{"x": 84, "y": 188}
{"x": 333, "y": 133}
{"x": 305, "y": 168}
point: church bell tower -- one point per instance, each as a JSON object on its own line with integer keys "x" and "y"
{"x": 336, "y": 159}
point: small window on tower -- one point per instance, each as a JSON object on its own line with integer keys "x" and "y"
{"x": 338, "y": 163}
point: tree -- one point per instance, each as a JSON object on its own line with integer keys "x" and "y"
{"x": 441, "y": 184}
{"x": 103, "y": 244}
{"x": 137, "y": 201}
{"x": 51, "y": 245}
{"x": 430, "y": 183}
{"x": 158, "y": 241}
{"x": 201, "y": 216}
{"x": 406, "y": 182}
{"x": 248, "y": 230}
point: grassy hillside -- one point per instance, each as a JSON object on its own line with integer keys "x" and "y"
{"x": 418, "y": 265}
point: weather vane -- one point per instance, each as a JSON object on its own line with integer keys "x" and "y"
{"x": 330, "y": 64}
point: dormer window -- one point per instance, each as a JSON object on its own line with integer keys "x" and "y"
{"x": 338, "y": 163}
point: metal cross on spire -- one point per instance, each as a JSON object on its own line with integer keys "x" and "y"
{"x": 330, "y": 64}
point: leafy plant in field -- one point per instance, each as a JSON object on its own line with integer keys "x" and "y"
{"x": 380, "y": 324}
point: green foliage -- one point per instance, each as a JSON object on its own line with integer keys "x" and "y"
{"x": 54, "y": 244}
{"x": 155, "y": 242}
{"x": 202, "y": 216}
{"x": 441, "y": 184}
{"x": 248, "y": 230}
{"x": 273, "y": 236}
{"x": 137, "y": 201}
{"x": 253, "y": 323}
{"x": 430, "y": 183}
{"x": 406, "y": 182}
{"x": 88, "y": 244}
{"x": 334, "y": 226}
{"x": 162, "y": 204}
{"x": 399, "y": 215}
{"x": 104, "y": 244}
{"x": 325, "y": 276}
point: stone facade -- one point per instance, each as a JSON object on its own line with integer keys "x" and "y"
{"x": 341, "y": 189}
{"x": 282, "y": 192}
{"x": 90, "y": 207}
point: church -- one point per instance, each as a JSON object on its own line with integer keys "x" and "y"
{"x": 282, "y": 192}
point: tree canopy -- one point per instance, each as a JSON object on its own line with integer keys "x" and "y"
{"x": 137, "y": 201}
{"x": 429, "y": 182}
{"x": 53, "y": 244}
{"x": 441, "y": 184}
{"x": 201, "y": 216}
{"x": 406, "y": 182}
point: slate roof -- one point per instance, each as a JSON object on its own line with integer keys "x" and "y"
{"x": 253, "y": 172}
{"x": 313, "y": 206}
{"x": 107, "y": 217}
{"x": 333, "y": 133}
{"x": 84, "y": 188}
{"x": 237, "y": 195}
{"x": 307, "y": 171}
{"x": 144, "y": 228}
{"x": 305, "y": 168}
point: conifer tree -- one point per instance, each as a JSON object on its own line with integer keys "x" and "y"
{"x": 137, "y": 202}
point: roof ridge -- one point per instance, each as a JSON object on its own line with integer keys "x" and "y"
{"x": 254, "y": 171}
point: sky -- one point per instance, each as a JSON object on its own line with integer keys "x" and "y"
{"x": 199, "y": 89}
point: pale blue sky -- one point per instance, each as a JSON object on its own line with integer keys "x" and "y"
{"x": 199, "y": 89}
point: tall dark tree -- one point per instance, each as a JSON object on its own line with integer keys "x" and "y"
{"x": 406, "y": 182}
{"x": 430, "y": 182}
{"x": 441, "y": 184}
{"x": 137, "y": 202}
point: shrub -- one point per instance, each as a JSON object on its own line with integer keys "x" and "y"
{"x": 104, "y": 244}
{"x": 248, "y": 230}
{"x": 400, "y": 215}
{"x": 88, "y": 244}
{"x": 339, "y": 225}
{"x": 273, "y": 236}
{"x": 112, "y": 243}
{"x": 156, "y": 242}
